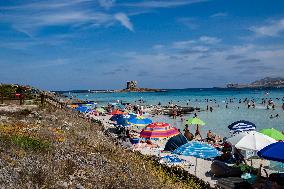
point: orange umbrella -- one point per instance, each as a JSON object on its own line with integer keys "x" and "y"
{"x": 115, "y": 112}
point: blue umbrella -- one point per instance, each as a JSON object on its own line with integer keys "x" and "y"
{"x": 140, "y": 121}
{"x": 274, "y": 152}
{"x": 83, "y": 109}
{"x": 175, "y": 142}
{"x": 122, "y": 119}
{"x": 172, "y": 159}
{"x": 118, "y": 117}
{"x": 241, "y": 126}
{"x": 197, "y": 149}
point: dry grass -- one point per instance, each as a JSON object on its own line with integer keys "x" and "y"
{"x": 78, "y": 154}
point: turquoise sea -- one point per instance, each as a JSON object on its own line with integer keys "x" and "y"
{"x": 220, "y": 118}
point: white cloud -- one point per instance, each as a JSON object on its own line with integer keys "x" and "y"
{"x": 191, "y": 23}
{"x": 106, "y": 3}
{"x": 219, "y": 14}
{"x": 158, "y": 47}
{"x": 183, "y": 44}
{"x": 162, "y": 3}
{"x": 209, "y": 40}
{"x": 30, "y": 18}
{"x": 189, "y": 43}
{"x": 124, "y": 20}
{"x": 272, "y": 29}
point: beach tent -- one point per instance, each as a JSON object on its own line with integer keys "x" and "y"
{"x": 273, "y": 133}
{"x": 139, "y": 121}
{"x": 250, "y": 141}
{"x": 274, "y": 152}
{"x": 241, "y": 126}
{"x": 175, "y": 142}
{"x": 158, "y": 131}
{"x": 197, "y": 149}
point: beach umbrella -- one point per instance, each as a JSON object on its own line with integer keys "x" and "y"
{"x": 198, "y": 150}
{"x": 273, "y": 133}
{"x": 117, "y": 117}
{"x": 241, "y": 126}
{"x": 139, "y": 121}
{"x": 74, "y": 106}
{"x": 83, "y": 109}
{"x": 100, "y": 110}
{"x": 122, "y": 119}
{"x": 250, "y": 141}
{"x": 274, "y": 152}
{"x": 175, "y": 142}
{"x": 158, "y": 131}
{"x": 114, "y": 112}
{"x": 195, "y": 121}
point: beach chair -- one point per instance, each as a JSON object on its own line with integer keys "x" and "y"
{"x": 233, "y": 183}
{"x": 221, "y": 169}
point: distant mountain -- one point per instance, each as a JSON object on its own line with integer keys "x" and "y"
{"x": 269, "y": 82}
{"x": 275, "y": 82}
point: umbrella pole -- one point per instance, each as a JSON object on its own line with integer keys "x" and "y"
{"x": 250, "y": 165}
{"x": 195, "y": 166}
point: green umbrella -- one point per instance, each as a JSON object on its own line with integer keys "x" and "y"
{"x": 195, "y": 121}
{"x": 101, "y": 110}
{"x": 273, "y": 133}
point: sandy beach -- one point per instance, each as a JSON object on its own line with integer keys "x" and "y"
{"x": 198, "y": 167}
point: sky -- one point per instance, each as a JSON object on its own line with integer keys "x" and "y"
{"x": 100, "y": 44}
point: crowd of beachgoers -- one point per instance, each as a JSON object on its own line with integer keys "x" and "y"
{"x": 242, "y": 154}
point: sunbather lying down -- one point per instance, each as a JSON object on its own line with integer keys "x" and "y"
{"x": 147, "y": 143}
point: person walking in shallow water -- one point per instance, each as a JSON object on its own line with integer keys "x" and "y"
{"x": 174, "y": 113}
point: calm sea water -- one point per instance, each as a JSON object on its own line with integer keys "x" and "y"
{"x": 220, "y": 118}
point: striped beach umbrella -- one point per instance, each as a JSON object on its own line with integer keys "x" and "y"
{"x": 139, "y": 121}
{"x": 241, "y": 126}
{"x": 197, "y": 149}
{"x": 158, "y": 131}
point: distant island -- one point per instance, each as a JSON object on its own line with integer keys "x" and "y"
{"x": 131, "y": 86}
{"x": 267, "y": 82}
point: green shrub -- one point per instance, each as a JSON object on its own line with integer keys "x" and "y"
{"x": 27, "y": 143}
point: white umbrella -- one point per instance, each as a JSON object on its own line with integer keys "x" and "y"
{"x": 251, "y": 141}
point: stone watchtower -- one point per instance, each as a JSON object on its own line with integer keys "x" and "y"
{"x": 131, "y": 85}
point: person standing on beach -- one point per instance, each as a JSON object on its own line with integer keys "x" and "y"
{"x": 188, "y": 135}
{"x": 283, "y": 106}
{"x": 197, "y": 132}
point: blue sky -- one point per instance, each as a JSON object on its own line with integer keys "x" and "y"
{"x": 100, "y": 44}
